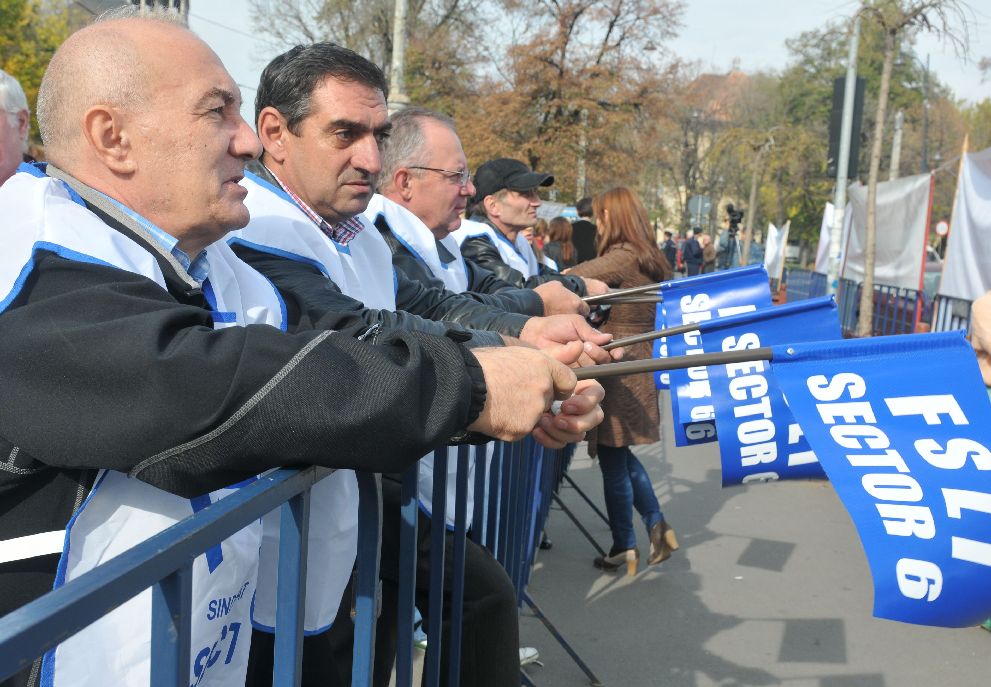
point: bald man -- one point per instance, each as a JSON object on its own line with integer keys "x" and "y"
{"x": 145, "y": 374}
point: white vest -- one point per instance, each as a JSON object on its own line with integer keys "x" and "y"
{"x": 362, "y": 270}
{"x": 517, "y": 255}
{"x": 414, "y": 234}
{"x": 119, "y": 511}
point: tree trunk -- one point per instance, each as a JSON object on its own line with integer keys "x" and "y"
{"x": 865, "y": 321}
{"x": 752, "y": 206}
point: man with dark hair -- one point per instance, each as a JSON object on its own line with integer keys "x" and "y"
{"x": 145, "y": 366}
{"x": 670, "y": 249}
{"x": 315, "y": 176}
{"x": 506, "y": 193}
{"x": 583, "y": 231}
{"x": 691, "y": 253}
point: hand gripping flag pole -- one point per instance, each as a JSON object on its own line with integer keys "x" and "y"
{"x": 651, "y": 336}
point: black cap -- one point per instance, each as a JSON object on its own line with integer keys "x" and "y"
{"x": 696, "y": 230}
{"x": 495, "y": 175}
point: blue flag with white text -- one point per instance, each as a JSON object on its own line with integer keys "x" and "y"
{"x": 662, "y": 379}
{"x": 698, "y": 299}
{"x": 902, "y": 427}
{"x": 759, "y": 439}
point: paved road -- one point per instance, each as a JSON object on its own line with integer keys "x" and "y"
{"x": 770, "y": 587}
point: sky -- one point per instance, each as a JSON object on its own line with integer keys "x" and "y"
{"x": 716, "y": 33}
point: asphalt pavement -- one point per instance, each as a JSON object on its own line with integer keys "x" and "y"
{"x": 770, "y": 587}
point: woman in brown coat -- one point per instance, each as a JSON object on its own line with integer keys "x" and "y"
{"x": 628, "y": 256}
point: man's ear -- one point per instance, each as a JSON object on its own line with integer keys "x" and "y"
{"x": 273, "y": 131}
{"x": 402, "y": 181}
{"x": 109, "y": 139}
{"x": 23, "y": 124}
{"x": 491, "y": 206}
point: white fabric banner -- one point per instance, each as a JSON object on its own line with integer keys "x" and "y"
{"x": 774, "y": 249}
{"x": 822, "y": 253}
{"x": 967, "y": 269}
{"x": 902, "y": 224}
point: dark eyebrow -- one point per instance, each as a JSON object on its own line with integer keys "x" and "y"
{"x": 229, "y": 97}
{"x": 356, "y": 126}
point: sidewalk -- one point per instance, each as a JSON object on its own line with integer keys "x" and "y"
{"x": 770, "y": 587}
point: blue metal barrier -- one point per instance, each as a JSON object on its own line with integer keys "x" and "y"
{"x": 164, "y": 563}
{"x": 512, "y": 502}
{"x": 803, "y": 284}
{"x": 949, "y": 313}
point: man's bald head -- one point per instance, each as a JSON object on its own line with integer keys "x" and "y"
{"x": 102, "y": 64}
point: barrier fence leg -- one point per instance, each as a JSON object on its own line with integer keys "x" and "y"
{"x": 294, "y": 526}
{"x": 438, "y": 532}
{"x": 492, "y": 499}
{"x": 366, "y": 585}
{"x": 407, "y": 578}
{"x": 592, "y": 679}
{"x": 581, "y": 528}
{"x": 586, "y": 498}
{"x": 171, "y": 626}
{"x": 458, "y": 565}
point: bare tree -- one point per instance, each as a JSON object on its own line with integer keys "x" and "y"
{"x": 948, "y": 19}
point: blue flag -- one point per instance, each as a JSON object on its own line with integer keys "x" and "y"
{"x": 699, "y": 299}
{"x": 902, "y": 426}
{"x": 759, "y": 439}
{"x": 661, "y": 379}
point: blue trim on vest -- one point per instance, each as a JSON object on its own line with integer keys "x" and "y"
{"x": 55, "y": 248}
{"x": 219, "y": 316}
{"x": 410, "y": 248}
{"x": 499, "y": 235}
{"x": 277, "y": 190}
{"x": 283, "y": 321}
{"x": 278, "y": 252}
{"x": 48, "y": 660}
{"x": 38, "y": 169}
{"x": 395, "y": 282}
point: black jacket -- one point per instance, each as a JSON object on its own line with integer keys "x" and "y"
{"x": 481, "y": 251}
{"x": 583, "y": 236}
{"x": 102, "y": 368}
{"x": 483, "y": 286}
{"x": 691, "y": 252}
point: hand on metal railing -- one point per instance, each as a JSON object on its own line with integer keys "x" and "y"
{"x": 560, "y": 301}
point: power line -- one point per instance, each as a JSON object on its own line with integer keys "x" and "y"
{"x": 224, "y": 26}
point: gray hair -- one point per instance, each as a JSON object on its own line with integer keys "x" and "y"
{"x": 13, "y": 101}
{"x": 407, "y": 145}
{"x": 94, "y": 65}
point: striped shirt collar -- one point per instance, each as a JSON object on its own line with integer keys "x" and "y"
{"x": 341, "y": 233}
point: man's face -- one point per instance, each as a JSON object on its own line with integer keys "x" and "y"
{"x": 515, "y": 210}
{"x": 332, "y": 161}
{"x": 190, "y": 145}
{"x": 438, "y": 198}
{"x": 13, "y": 130}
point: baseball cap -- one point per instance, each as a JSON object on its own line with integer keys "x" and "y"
{"x": 495, "y": 175}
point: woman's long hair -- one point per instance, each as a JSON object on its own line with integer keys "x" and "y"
{"x": 559, "y": 229}
{"x": 621, "y": 218}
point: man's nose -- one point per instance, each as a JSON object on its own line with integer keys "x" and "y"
{"x": 245, "y": 144}
{"x": 367, "y": 156}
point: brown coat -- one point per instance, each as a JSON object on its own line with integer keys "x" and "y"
{"x": 630, "y": 405}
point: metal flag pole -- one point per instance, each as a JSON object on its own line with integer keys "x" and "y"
{"x": 633, "y": 367}
{"x": 650, "y": 336}
{"x": 617, "y": 293}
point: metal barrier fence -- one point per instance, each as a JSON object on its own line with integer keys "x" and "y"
{"x": 896, "y": 310}
{"x": 803, "y": 284}
{"x": 512, "y": 501}
{"x": 949, "y": 313}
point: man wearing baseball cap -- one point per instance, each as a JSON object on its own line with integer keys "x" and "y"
{"x": 506, "y": 202}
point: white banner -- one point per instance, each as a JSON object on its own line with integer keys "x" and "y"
{"x": 967, "y": 269}
{"x": 822, "y": 253}
{"x": 774, "y": 249}
{"x": 902, "y": 224}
